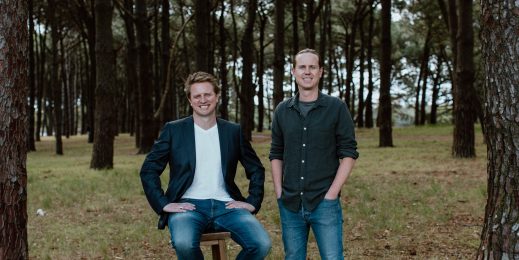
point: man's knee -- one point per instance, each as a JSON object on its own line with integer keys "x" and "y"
{"x": 184, "y": 245}
{"x": 261, "y": 246}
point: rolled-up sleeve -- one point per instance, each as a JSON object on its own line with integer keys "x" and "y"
{"x": 277, "y": 143}
{"x": 345, "y": 134}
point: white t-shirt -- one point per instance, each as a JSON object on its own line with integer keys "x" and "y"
{"x": 208, "y": 182}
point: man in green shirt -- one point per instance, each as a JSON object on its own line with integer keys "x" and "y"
{"x": 312, "y": 154}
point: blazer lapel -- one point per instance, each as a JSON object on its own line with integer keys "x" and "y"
{"x": 224, "y": 144}
{"x": 189, "y": 140}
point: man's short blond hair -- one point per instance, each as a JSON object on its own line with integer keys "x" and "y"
{"x": 198, "y": 77}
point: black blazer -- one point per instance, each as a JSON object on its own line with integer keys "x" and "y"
{"x": 176, "y": 146}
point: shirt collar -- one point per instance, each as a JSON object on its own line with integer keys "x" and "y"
{"x": 320, "y": 101}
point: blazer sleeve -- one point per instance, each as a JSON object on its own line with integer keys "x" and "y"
{"x": 254, "y": 170}
{"x": 152, "y": 168}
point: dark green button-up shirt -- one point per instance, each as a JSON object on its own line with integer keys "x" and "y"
{"x": 310, "y": 148}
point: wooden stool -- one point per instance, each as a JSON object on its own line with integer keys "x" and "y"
{"x": 217, "y": 243}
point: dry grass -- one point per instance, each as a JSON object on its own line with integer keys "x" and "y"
{"x": 412, "y": 201}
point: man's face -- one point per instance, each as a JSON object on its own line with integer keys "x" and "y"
{"x": 203, "y": 99}
{"x": 307, "y": 71}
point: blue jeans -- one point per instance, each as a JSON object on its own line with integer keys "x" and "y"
{"x": 326, "y": 223}
{"x": 212, "y": 216}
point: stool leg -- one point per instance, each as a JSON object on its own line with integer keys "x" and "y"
{"x": 216, "y": 252}
{"x": 219, "y": 251}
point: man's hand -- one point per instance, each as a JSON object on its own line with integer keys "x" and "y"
{"x": 239, "y": 205}
{"x": 178, "y": 207}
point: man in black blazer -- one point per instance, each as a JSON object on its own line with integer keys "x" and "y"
{"x": 203, "y": 152}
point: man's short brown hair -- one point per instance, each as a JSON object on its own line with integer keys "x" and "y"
{"x": 198, "y": 77}
{"x": 307, "y": 50}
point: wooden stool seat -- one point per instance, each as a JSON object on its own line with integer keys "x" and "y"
{"x": 217, "y": 243}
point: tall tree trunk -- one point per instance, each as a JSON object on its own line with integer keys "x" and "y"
{"x": 14, "y": 47}
{"x": 311, "y": 17}
{"x": 224, "y": 95}
{"x": 202, "y": 15}
{"x": 87, "y": 16}
{"x": 500, "y": 53}
{"x": 350, "y": 61}
{"x": 247, "y": 86}
{"x": 260, "y": 71}
{"x": 31, "y": 146}
{"x": 279, "y": 53}
{"x": 418, "y": 90}
{"x": 132, "y": 78}
{"x": 436, "y": 91}
{"x": 167, "y": 114}
{"x": 425, "y": 72}
{"x": 385, "y": 136}
{"x": 85, "y": 79}
{"x": 422, "y": 76}
{"x": 296, "y": 7}
{"x": 360, "y": 110}
{"x": 234, "y": 59}
{"x": 54, "y": 82}
{"x": 423, "y": 99}
{"x": 105, "y": 117}
{"x": 369, "y": 57}
{"x": 295, "y": 23}
{"x": 146, "y": 123}
{"x": 156, "y": 68}
{"x": 86, "y": 21}
{"x": 64, "y": 82}
{"x": 330, "y": 46}
{"x": 464, "y": 114}
{"x": 72, "y": 96}
{"x": 323, "y": 39}
{"x": 41, "y": 84}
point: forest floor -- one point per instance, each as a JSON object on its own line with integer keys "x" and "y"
{"x": 411, "y": 201}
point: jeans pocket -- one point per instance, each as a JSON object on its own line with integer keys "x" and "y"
{"x": 331, "y": 201}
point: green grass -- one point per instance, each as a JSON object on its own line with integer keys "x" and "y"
{"x": 410, "y": 201}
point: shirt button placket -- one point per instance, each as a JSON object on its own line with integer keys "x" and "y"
{"x": 303, "y": 155}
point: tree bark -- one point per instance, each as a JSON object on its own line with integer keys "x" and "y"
{"x": 64, "y": 82}
{"x": 40, "y": 104}
{"x": 385, "y": 136}
{"x": 247, "y": 86}
{"x": 500, "y": 53}
{"x": 422, "y": 76}
{"x": 464, "y": 114}
{"x": 349, "y": 50}
{"x": 224, "y": 110}
{"x": 260, "y": 71}
{"x": 330, "y": 46}
{"x": 369, "y": 57}
{"x": 167, "y": 114}
{"x": 202, "y": 15}
{"x": 146, "y": 123}
{"x": 360, "y": 110}
{"x": 105, "y": 116}
{"x": 279, "y": 53}
{"x": 311, "y": 16}
{"x": 54, "y": 82}
{"x": 87, "y": 21}
{"x": 14, "y": 47}
{"x": 31, "y": 146}
{"x": 436, "y": 91}
{"x": 131, "y": 62}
